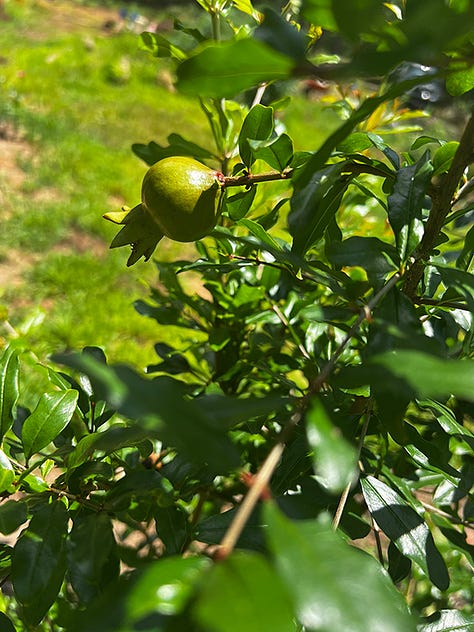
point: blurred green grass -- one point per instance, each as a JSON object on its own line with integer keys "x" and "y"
{"x": 74, "y": 97}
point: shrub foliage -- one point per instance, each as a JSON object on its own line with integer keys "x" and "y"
{"x": 302, "y": 459}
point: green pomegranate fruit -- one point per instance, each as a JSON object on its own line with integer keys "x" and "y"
{"x": 183, "y": 196}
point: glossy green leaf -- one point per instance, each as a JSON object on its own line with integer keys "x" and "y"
{"x": 260, "y": 233}
{"x": 258, "y": 125}
{"x": 238, "y": 205}
{"x": 405, "y": 205}
{"x": 460, "y": 78}
{"x": 334, "y": 458}
{"x": 401, "y": 523}
{"x": 459, "y": 282}
{"x": 91, "y": 555}
{"x": 39, "y": 560}
{"x": 330, "y": 582}
{"x": 9, "y": 375}
{"x": 7, "y": 473}
{"x": 111, "y": 439}
{"x": 314, "y": 206}
{"x": 226, "y": 69}
{"x": 277, "y": 153}
{"x": 159, "y": 46}
{"x": 376, "y": 257}
{"x": 448, "y": 621}
{"x": 244, "y": 593}
{"x": 13, "y": 514}
{"x": 51, "y": 415}
{"x": 443, "y": 157}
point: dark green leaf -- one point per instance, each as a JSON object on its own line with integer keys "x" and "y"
{"x": 51, "y": 415}
{"x": 398, "y": 565}
{"x": 12, "y": 515}
{"x": 92, "y": 560}
{"x": 177, "y": 146}
{"x": 319, "y": 13}
{"x": 376, "y": 257}
{"x": 212, "y": 530}
{"x": 238, "y": 205}
{"x": 333, "y": 457}
{"x": 172, "y": 527}
{"x": 39, "y": 560}
{"x": 258, "y": 125}
{"x": 313, "y": 207}
{"x": 448, "y": 621}
{"x": 225, "y": 70}
{"x": 281, "y": 35}
{"x": 244, "y": 593}
{"x": 467, "y": 254}
{"x": 323, "y": 575}
{"x": 405, "y": 205}
{"x": 9, "y": 374}
{"x": 5, "y": 624}
{"x": 405, "y": 528}
{"x": 459, "y": 282}
{"x": 359, "y": 16}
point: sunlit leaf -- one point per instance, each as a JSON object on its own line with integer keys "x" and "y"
{"x": 323, "y": 574}
{"x": 333, "y": 457}
{"x": 51, "y": 415}
{"x": 9, "y": 376}
{"x": 405, "y": 528}
{"x": 258, "y": 125}
{"x": 244, "y": 593}
{"x": 448, "y": 621}
{"x": 7, "y": 473}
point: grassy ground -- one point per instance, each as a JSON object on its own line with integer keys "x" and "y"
{"x": 73, "y": 98}
{"x": 74, "y": 95}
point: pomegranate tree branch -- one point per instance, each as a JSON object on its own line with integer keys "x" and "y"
{"x": 265, "y": 473}
{"x": 249, "y": 179}
{"x": 443, "y": 196}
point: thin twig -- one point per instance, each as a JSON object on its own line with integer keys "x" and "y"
{"x": 347, "y": 489}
